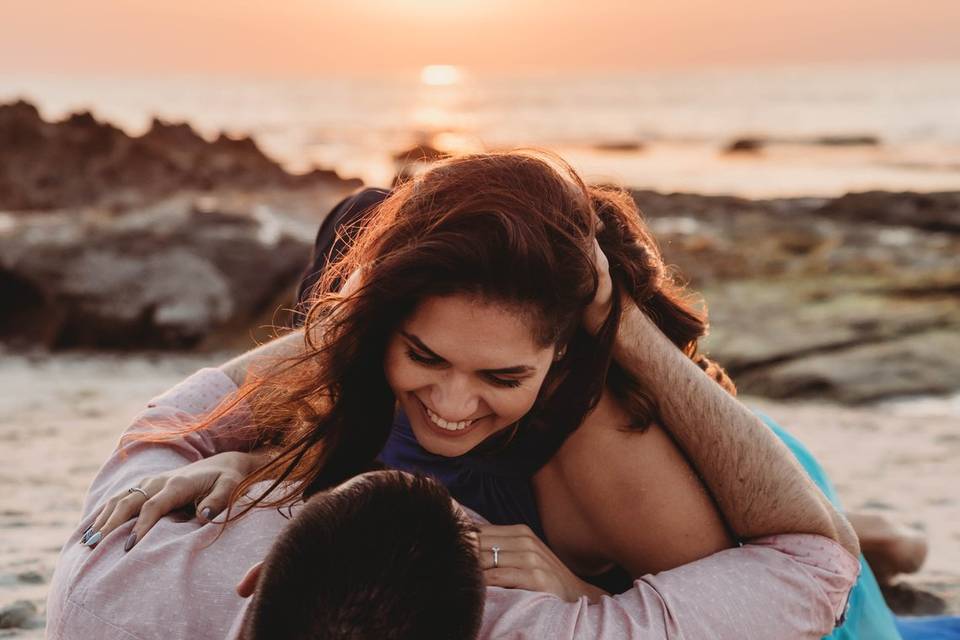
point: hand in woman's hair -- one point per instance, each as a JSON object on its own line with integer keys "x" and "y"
{"x": 598, "y": 309}
{"x": 353, "y": 284}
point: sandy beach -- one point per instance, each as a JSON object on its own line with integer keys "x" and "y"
{"x": 61, "y": 415}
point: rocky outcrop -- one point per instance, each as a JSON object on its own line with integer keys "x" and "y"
{"x": 81, "y": 162}
{"x": 853, "y": 299}
{"x": 928, "y": 211}
{"x": 171, "y": 276}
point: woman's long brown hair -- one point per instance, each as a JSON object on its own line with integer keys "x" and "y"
{"x": 513, "y": 228}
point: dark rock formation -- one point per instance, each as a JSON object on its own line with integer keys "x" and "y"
{"x": 745, "y": 145}
{"x": 163, "y": 278}
{"x": 929, "y": 211}
{"x": 82, "y": 162}
{"x": 17, "y": 615}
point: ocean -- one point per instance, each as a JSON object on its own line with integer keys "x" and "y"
{"x": 824, "y": 131}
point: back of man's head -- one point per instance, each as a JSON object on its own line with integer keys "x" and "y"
{"x": 385, "y": 556}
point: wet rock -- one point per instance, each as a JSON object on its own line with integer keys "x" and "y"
{"x": 17, "y": 614}
{"x": 81, "y": 161}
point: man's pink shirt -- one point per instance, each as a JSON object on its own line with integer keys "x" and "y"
{"x": 178, "y": 581}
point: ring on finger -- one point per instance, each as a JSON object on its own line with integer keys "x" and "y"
{"x": 496, "y": 556}
{"x": 138, "y": 490}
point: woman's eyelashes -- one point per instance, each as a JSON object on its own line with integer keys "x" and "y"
{"x": 437, "y": 362}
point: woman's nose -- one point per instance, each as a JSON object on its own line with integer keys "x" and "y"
{"x": 453, "y": 399}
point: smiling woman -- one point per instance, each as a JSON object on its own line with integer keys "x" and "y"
{"x": 481, "y": 372}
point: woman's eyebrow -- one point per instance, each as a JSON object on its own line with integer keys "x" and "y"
{"x": 519, "y": 369}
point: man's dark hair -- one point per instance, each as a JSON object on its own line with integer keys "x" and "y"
{"x": 386, "y": 557}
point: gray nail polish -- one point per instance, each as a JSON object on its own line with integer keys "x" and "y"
{"x": 207, "y": 513}
{"x": 94, "y": 539}
{"x": 86, "y": 534}
{"x": 130, "y": 541}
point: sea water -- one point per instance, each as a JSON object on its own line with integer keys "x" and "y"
{"x": 664, "y": 130}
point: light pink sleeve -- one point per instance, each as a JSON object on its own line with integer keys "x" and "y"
{"x": 133, "y": 460}
{"x": 779, "y": 587}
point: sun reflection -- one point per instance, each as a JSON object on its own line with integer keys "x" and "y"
{"x": 440, "y": 75}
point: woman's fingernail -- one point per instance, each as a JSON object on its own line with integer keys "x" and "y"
{"x": 130, "y": 541}
{"x": 86, "y": 534}
{"x": 207, "y": 513}
{"x": 94, "y": 539}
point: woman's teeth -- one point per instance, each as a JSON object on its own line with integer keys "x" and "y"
{"x": 449, "y": 426}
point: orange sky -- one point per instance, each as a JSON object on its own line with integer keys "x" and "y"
{"x": 323, "y": 36}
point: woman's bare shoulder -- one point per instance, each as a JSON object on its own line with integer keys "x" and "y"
{"x": 646, "y": 506}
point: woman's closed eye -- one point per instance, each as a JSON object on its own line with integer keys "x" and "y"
{"x": 429, "y": 361}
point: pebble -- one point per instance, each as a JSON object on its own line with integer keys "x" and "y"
{"x": 17, "y": 614}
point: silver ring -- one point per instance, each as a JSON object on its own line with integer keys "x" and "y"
{"x": 496, "y": 556}
{"x": 138, "y": 490}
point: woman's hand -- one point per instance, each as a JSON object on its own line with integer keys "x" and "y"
{"x": 599, "y": 308}
{"x": 206, "y": 483}
{"x": 523, "y": 561}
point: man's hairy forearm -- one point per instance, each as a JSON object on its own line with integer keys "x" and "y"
{"x": 759, "y": 486}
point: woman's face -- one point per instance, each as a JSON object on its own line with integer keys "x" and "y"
{"x": 463, "y": 369}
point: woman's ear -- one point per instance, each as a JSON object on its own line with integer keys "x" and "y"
{"x": 249, "y": 581}
{"x": 561, "y": 350}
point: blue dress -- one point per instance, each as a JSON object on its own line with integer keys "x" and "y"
{"x": 494, "y": 481}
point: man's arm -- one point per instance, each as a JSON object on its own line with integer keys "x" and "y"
{"x": 759, "y": 486}
{"x": 791, "y": 586}
{"x": 287, "y": 346}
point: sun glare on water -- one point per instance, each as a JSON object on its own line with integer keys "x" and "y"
{"x": 440, "y": 75}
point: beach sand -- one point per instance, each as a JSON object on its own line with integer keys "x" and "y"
{"x": 61, "y": 415}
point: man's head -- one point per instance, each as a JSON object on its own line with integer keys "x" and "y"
{"x": 386, "y": 555}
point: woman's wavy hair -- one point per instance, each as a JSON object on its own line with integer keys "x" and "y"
{"x": 515, "y": 229}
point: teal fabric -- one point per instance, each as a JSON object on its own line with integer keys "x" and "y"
{"x": 868, "y": 617}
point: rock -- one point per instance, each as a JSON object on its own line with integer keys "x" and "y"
{"x": 745, "y": 145}
{"x": 169, "y": 277}
{"x": 17, "y": 614}
{"x": 421, "y": 152}
{"x": 906, "y": 599}
{"x": 923, "y": 364}
{"x": 928, "y": 211}
{"x": 82, "y": 162}
{"x": 848, "y": 141}
{"x": 31, "y": 577}
{"x": 619, "y": 146}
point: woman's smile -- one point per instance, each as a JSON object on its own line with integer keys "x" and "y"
{"x": 446, "y": 427}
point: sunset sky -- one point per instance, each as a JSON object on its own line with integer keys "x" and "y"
{"x": 320, "y": 36}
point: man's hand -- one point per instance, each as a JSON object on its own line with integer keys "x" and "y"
{"x": 599, "y": 308}
{"x": 523, "y": 561}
